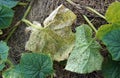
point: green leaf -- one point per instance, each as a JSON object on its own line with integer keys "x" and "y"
{"x": 32, "y": 65}
{"x": 111, "y": 40}
{"x": 109, "y": 34}
{"x": 111, "y": 69}
{"x": 113, "y": 13}
{"x": 104, "y": 29}
{"x": 3, "y": 54}
{"x": 9, "y": 3}
{"x": 36, "y": 65}
{"x": 56, "y": 37}
{"x": 2, "y": 66}
{"x": 6, "y": 15}
{"x": 14, "y": 72}
{"x": 85, "y": 57}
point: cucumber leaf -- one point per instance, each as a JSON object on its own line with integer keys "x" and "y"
{"x": 85, "y": 57}
{"x": 3, "y": 54}
{"x": 2, "y": 65}
{"x": 9, "y": 3}
{"x": 60, "y": 18}
{"x": 104, "y": 29}
{"x": 113, "y": 13}
{"x": 111, "y": 68}
{"x": 110, "y": 36}
{"x": 36, "y": 65}
{"x": 56, "y": 37}
{"x": 32, "y": 65}
{"x": 14, "y": 72}
{"x": 6, "y": 16}
{"x": 111, "y": 40}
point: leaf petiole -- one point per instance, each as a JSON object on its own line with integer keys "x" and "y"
{"x": 30, "y": 24}
{"x": 92, "y": 10}
{"x": 88, "y": 21}
{"x": 22, "y": 3}
{"x": 10, "y": 63}
{"x": 12, "y": 31}
{"x": 1, "y": 32}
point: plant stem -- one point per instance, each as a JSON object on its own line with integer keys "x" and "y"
{"x": 10, "y": 34}
{"x": 18, "y": 23}
{"x": 92, "y": 10}
{"x": 10, "y": 63}
{"x": 51, "y": 76}
{"x": 74, "y": 4}
{"x": 22, "y": 3}
{"x": 1, "y": 32}
{"x": 71, "y": 2}
{"x": 27, "y": 11}
{"x": 30, "y": 24}
{"x": 88, "y": 21}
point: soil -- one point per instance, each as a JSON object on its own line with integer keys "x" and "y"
{"x": 40, "y": 10}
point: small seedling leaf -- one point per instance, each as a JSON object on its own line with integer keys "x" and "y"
{"x": 85, "y": 57}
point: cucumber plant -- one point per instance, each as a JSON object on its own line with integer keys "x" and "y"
{"x": 32, "y": 65}
{"x": 55, "y": 41}
{"x": 109, "y": 34}
{"x": 6, "y": 16}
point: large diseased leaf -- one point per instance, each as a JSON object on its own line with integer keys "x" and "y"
{"x": 56, "y": 36}
{"x": 85, "y": 57}
{"x": 6, "y": 15}
{"x": 32, "y": 65}
{"x": 110, "y": 36}
{"x": 3, "y": 54}
{"x": 113, "y": 13}
{"x": 60, "y": 18}
{"x": 111, "y": 69}
{"x": 9, "y": 3}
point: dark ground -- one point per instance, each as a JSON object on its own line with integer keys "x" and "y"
{"x": 40, "y": 10}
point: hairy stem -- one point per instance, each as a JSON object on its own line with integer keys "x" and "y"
{"x": 22, "y": 4}
{"x": 52, "y": 76}
{"x": 27, "y": 11}
{"x": 12, "y": 31}
{"x": 92, "y": 10}
{"x": 10, "y": 63}
{"x": 18, "y": 23}
{"x": 88, "y": 21}
{"x": 88, "y": 8}
{"x": 30, "y": 24}
{"x": 1, "y": 32}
